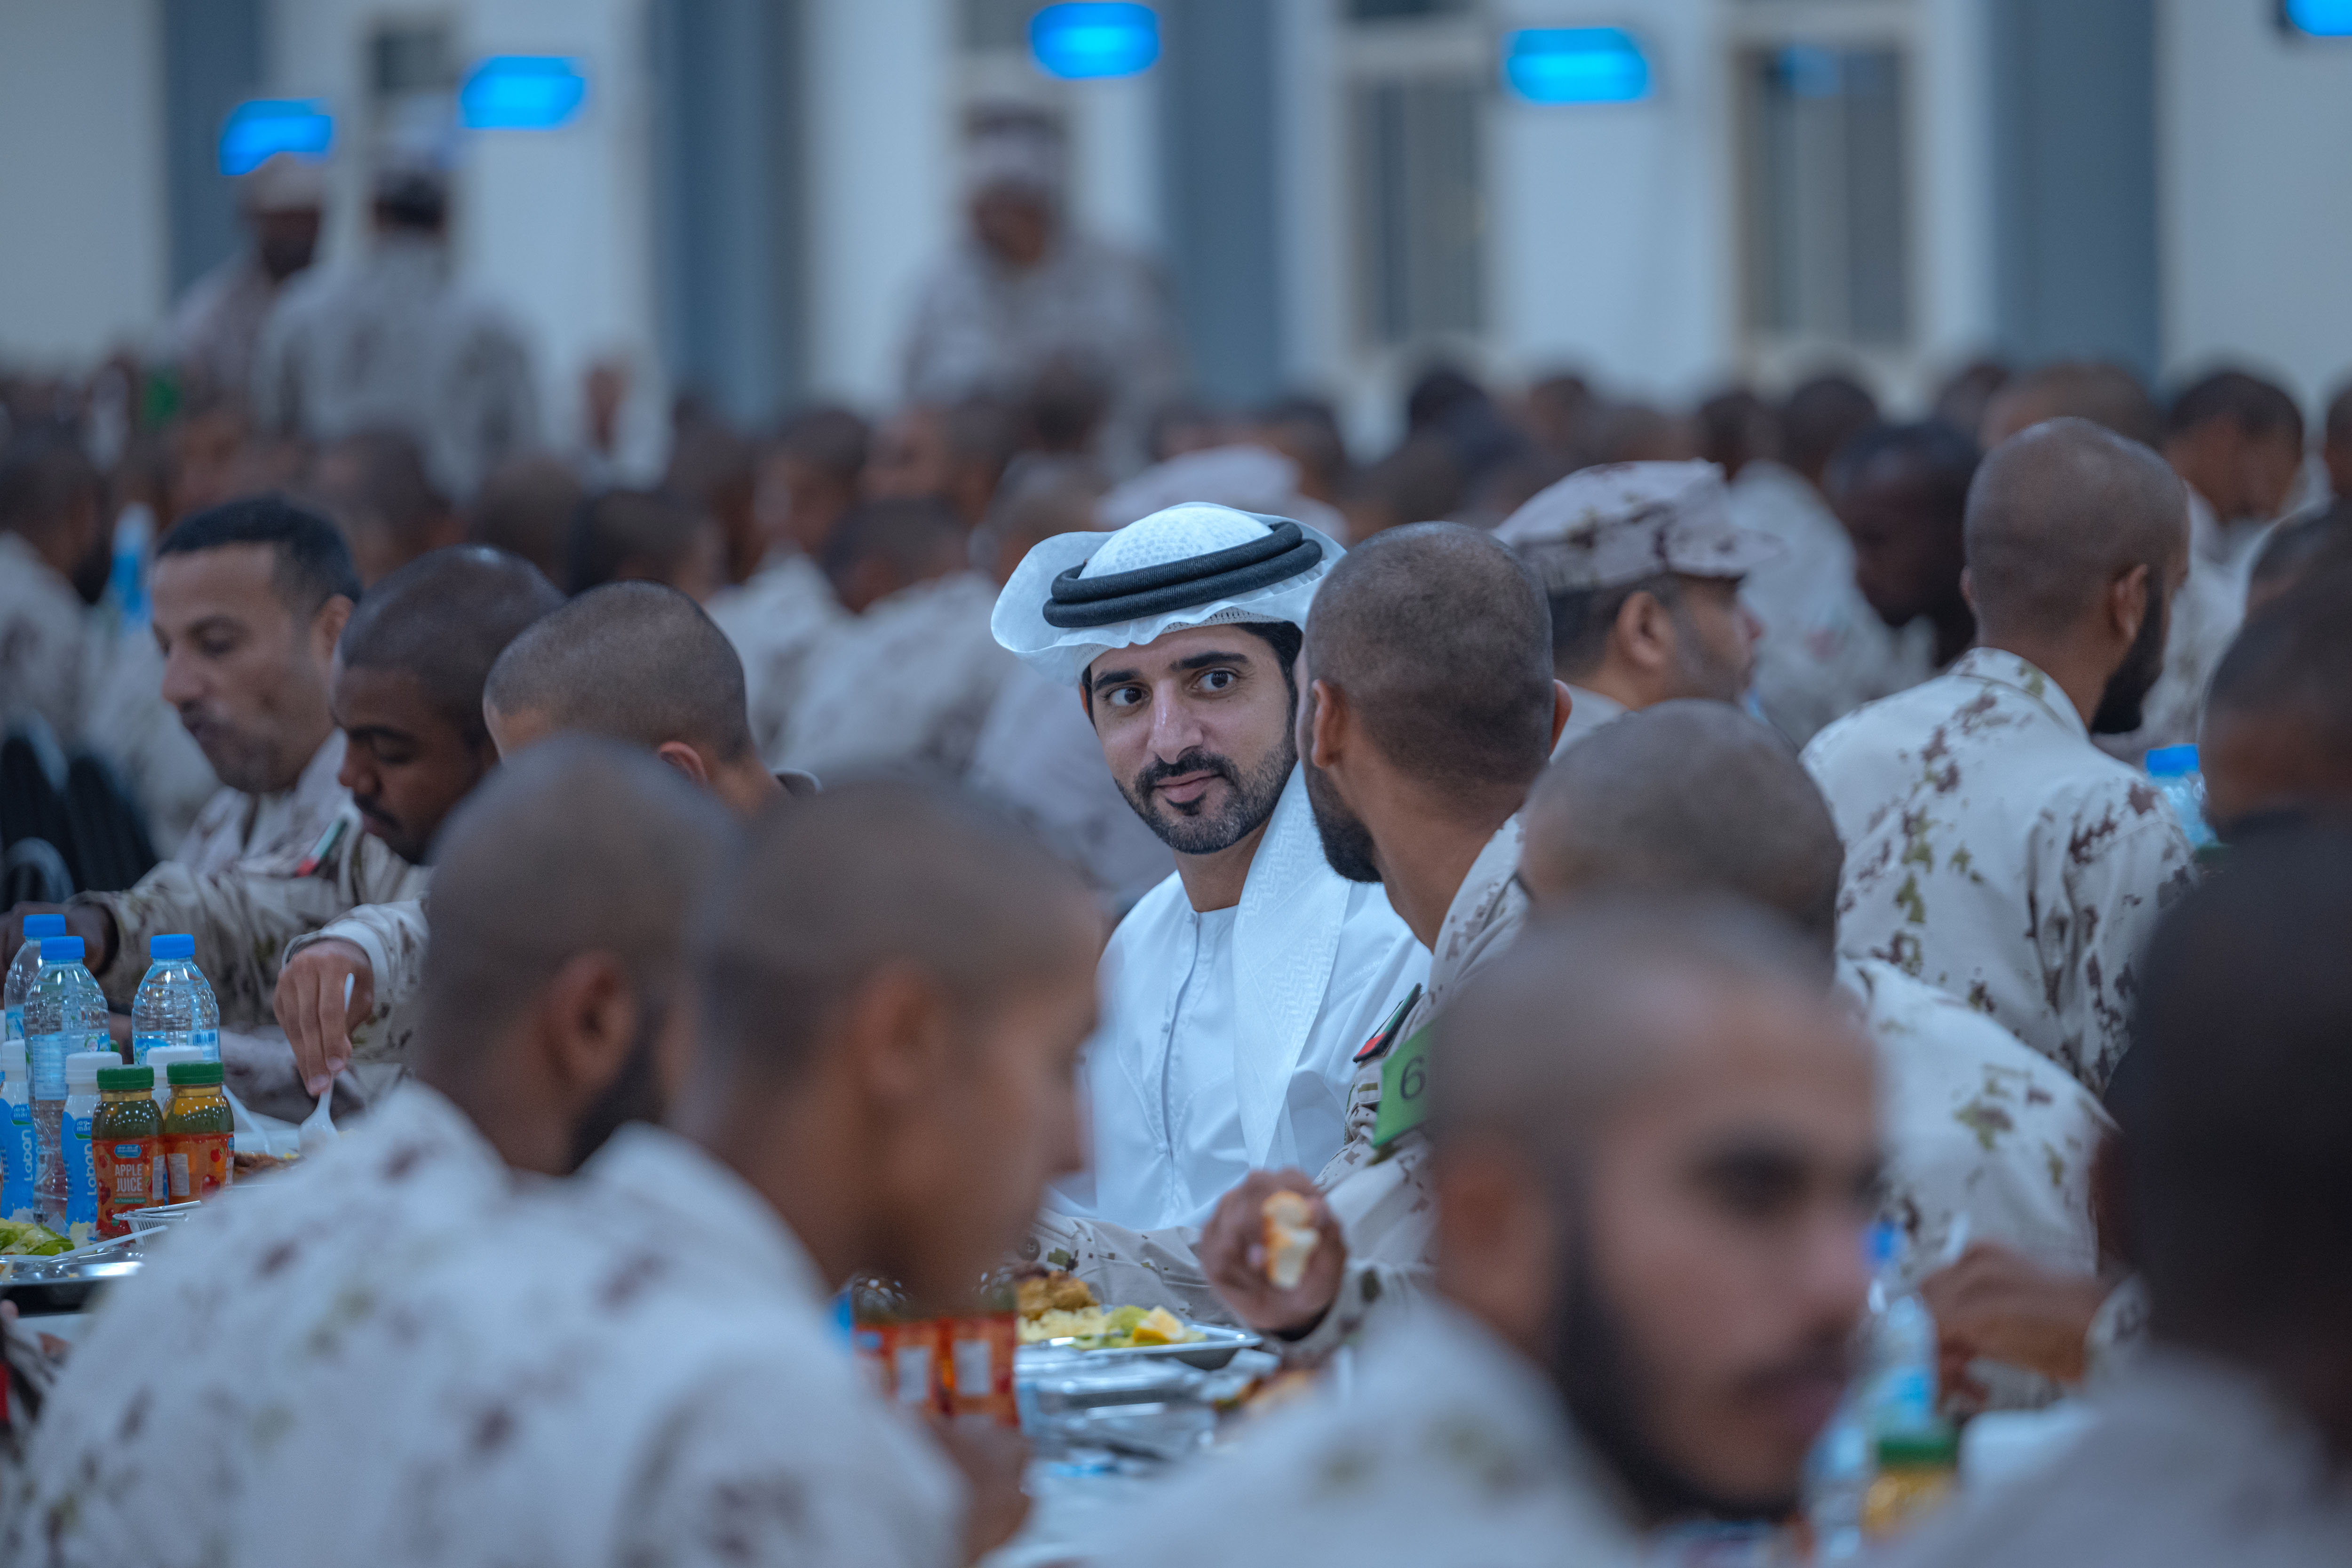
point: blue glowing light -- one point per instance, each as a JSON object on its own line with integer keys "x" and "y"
{"x": 521, "y": 92}
{"x": 1080, "y": 41}
{"x": 265, "y": 126}
{"x": 2321, "y": 18}
{"x": 1577, "y": 65}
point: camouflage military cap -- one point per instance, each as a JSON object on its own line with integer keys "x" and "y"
{"x": 1619, "y": 522}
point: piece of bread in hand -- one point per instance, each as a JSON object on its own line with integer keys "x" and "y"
{"x": 1291, "y": 1238}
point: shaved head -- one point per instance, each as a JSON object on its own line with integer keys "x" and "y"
{"x": 635, "y": 661}
{"x": 1691, "y": 798}
{"x": 1522, "y": 1064}
{"x": 443, "y": 620}
{"x": 2102, "y": 394}
{"x": 579, "y": 845}
{"x": 1440, "y": 638}
{"x": 2056, "y": 514}
{"x": 835, "y": 888}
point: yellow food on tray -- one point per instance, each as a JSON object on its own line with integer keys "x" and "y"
{"x": 1108, "y": 1328}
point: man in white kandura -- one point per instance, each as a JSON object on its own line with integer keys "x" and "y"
{"x": 1235, "y": 993}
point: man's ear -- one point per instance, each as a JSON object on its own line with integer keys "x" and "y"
{"x": 686, "y": 760}
{"x": 589, "y": 1020}
{"x": 1562, "y": 704}
{"x": 2127, "y": 604}
{"x": 1327, "y": 724}
{"x": 1968, "y": 589}
{"x": 897, "y": 1030}
{"x": 1644, "y": 634}
{"x": 327, "y": 627}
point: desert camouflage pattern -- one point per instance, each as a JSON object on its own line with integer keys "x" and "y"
{"x": 1992, "y": 851}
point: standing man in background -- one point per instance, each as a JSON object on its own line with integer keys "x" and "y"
{"x": 393, "y": 341}
{"x": 1025, "y": 290}
{"x": 217, "y": 323}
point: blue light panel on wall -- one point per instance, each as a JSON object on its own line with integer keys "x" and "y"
{"x": 2321, "y": 18}
{"x": 1082, "y": 41}
{"x": 521, "y": 92}
{"x": 270, "y": 125}
{"x": 1577, "y": 65}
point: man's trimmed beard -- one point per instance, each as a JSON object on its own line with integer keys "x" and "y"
{"x": 1606, "y": 1382}
{"x": 1347, "y": 842}
{"x": 2123, "y": 704}
{"x": 1250, "y": 798}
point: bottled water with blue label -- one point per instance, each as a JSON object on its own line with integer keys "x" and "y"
{"x": 1901, "y": 1393}
{"x": 65, "y": 1012}
{"x": 2182, "y": 784}
{"x": 21, "y": 967}
{"x": 80, "y": 1226}
{"x": 19, "y": 1152}
{"x": 173, "y": 1005}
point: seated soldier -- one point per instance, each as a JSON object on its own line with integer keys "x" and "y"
{"x": 1985, "y": 1139}
{"x": 249, "y": 599}
{"x": 2228, "y": 1439}
{"x": 407, "y": 691}
{"x": 1654, "y": 1153}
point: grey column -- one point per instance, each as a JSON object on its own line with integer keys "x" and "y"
{"x": 212, "y": 60}
{"x": 2073, "y": 86}
{"x": 1218, "y": 142}
{"x": 728, "y": 201}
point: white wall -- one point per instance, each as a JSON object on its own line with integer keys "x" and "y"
{"x": 2254, "y": 199}
{"x": 882, "y": 196}
{"x": 83, "y": 231}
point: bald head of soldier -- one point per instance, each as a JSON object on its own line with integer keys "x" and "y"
{"x": 894, "y": 986}
{"x": 2077, "y": 541}
{"x": 558, "y": 917}
{"x": 1655, "y": 1149}
{"x": 1686, "y": 798}
{"x": 407, "y": 680}
{"x": 1427, "y": 707}
{"x": 641, "y": 663}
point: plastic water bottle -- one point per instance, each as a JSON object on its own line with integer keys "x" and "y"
{"x": 80, "y": 1224}
{"x": 2182, "y": 785}
{"x": 65, "y": 1012}
{"x": 173, "y": 1005}
{"x": 1900, "y": 1393}
{"x": 19, "y": 1152}
{"x": 21, "y": 967}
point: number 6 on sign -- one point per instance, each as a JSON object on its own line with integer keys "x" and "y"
{"x": 1404, "y": 1083}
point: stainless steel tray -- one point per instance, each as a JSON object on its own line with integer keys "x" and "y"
{"x": 1217, "y": 1345}
{"x": 65, "y": 1282}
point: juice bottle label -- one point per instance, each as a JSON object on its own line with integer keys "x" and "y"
{"x": 980, "y": 1361}
{"x": 125, "y": 1169}
{"x": 199, "y": 1164}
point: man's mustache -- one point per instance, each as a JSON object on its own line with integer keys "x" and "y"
{"x": 1192, "y": 762}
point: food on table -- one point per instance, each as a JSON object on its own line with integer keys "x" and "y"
{"x": 1290, "y": 1237}
{"x": 247, "y": 1163}
{"x": 1055, "y": 1291}
{"x": 23, "y": 1238}
{"x": 1109, "y": 1327}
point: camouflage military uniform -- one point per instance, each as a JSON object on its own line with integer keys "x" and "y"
{"x": 910, "y": 681}
{"x": 1380, "y": 1193}
{"x": 392, "y": 937}
{"x": 390, "y": 342}
{"x": 254, "y": 873}
{"x": 1993, "y": 852}
{"x": 776, "y": 621}
{"x": 1450, "y": 1448}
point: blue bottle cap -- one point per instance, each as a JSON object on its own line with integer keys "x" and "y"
{"x": 2171, "y": 762}
{"x": 40, "y": 928}
{"x": 61, "y": 950}
{"x": 161, "y": 949}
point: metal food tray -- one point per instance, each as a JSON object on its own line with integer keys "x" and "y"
{"x": 63, "y": 1281}
{"x": 1217, "y": 1345}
